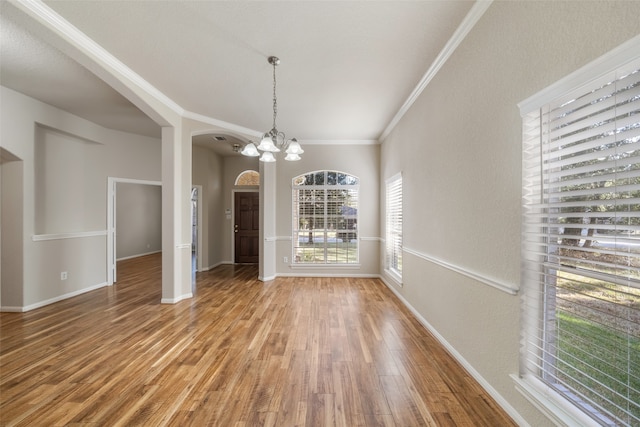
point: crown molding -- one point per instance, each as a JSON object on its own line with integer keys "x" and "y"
{"x": 221, "y": 124}
{"x": 339, "y": 141}
{"x": 42, "y": 13}
{"x": 474, "y": 15}
{"x": 257, "y": 134}
{"x": 39, "y": 11}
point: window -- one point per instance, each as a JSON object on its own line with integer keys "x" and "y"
{"x": 248, "y": 177}
{"x": 581, "y": 246}
{"x": 325, "y": 218}
{"x": 394, "y": 227}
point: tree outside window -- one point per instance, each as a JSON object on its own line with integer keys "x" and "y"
{"x": 325, "y": 218}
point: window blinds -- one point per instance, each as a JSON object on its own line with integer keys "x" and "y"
{"x": 581, "y": 246}
{"x": 325, "y": 218}
{"x": 394, "y": 225}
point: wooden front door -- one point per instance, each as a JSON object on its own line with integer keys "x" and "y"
{"x": 246, "y": 227}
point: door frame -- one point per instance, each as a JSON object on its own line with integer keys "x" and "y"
{"x": 233, "y": 218}
{"x": 111, "y": 221}
{"x": 199, "y": 229}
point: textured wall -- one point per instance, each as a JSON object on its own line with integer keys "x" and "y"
{"x": 459, "y": 148}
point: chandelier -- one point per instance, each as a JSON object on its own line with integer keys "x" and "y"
{"x": 274, "y": 141}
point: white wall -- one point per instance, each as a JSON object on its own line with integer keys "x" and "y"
{"x": 121, "y": 155}
{"x": 362, "y": 161}
{"x": 138, "y": 219}
{"x": 459, "y": 149}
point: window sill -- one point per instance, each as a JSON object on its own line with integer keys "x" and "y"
{"x": 555, "y": 406}
{"x": 332, "y": 266}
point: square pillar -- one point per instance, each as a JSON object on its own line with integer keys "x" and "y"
{"x": 176, "y": 219}
{"x": 267, "y": 269}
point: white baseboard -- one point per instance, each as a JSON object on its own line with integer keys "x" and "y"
{"x": 53, "y": 300}
{"x": 211, "y": 267}
{"x": 138, "y": 255}
{"x": 355, "y": 275}
{"x": 11, "y": 309}
{"x": 176, "y": 300}
{"x": 465, "y": 364}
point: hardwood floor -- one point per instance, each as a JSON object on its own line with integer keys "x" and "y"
{"x": 294, "y": 351}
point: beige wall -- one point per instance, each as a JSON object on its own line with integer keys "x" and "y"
{"x": 233, "y": 166}
{"x": 11, "y": 256}
{"x": 459, "y": 149}
{"x": 207, "y": 171}
{"x": 217, "y": 176}
{"x": 121, "y": 155}
{"x": 65, "y": 182}
{"x": 138, "y": 219}
{"x": 362, "y": 161}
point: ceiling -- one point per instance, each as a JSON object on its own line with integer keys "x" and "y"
{"x": 347, "y": 67}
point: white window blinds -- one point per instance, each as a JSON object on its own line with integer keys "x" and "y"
{"x": 581, "y": 246}
{"x": 394, "y": 225}
{"x": 325, "y": 218}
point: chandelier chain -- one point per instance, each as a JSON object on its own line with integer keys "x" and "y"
{"x": 274, "y": 141}
{"x": 275, "y": 99}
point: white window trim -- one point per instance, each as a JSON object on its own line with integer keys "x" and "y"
{"x": 616, "y": 58}
{"x": 393, "y": 273}
{"x": 325, "y": 265}
{"x": 556, "y": 407}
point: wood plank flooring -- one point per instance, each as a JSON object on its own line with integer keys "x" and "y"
{"x": 291, "y": 352}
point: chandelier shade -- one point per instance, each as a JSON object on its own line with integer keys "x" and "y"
{"x": 267, "y": 157}
{"x": 268, "y": 144}
{"x": 294, "y": 147}
{"x": 250, "y": 150}
{"x": 292, "y": 157}
{"x": 274, "y": 141}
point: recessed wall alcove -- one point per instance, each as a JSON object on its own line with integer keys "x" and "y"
{"x": 67, "y": 171}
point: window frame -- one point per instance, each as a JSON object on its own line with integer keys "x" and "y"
{"x": 351, "y": 231}
{"x": 254, "y": 178}
{"x": 394, "y": 227}
{"x": 561, "y": 405}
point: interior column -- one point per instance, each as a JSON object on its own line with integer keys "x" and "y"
{"x": 176, "y": 197}
{"x": 267, "y": 235}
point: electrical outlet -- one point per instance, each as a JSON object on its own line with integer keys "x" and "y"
{"x": 285, "y": 259}
{"x": 63, "y": 275}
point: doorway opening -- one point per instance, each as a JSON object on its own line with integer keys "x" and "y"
{"x": 246, "y": 227}
{"x": 196, "y": 232}
{"x": 141, "y": 232}
{"x": 11, "y": 229}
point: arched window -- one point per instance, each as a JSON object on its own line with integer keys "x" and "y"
{"x": 248, "y": 178}
{"x": 325, "y": 218}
